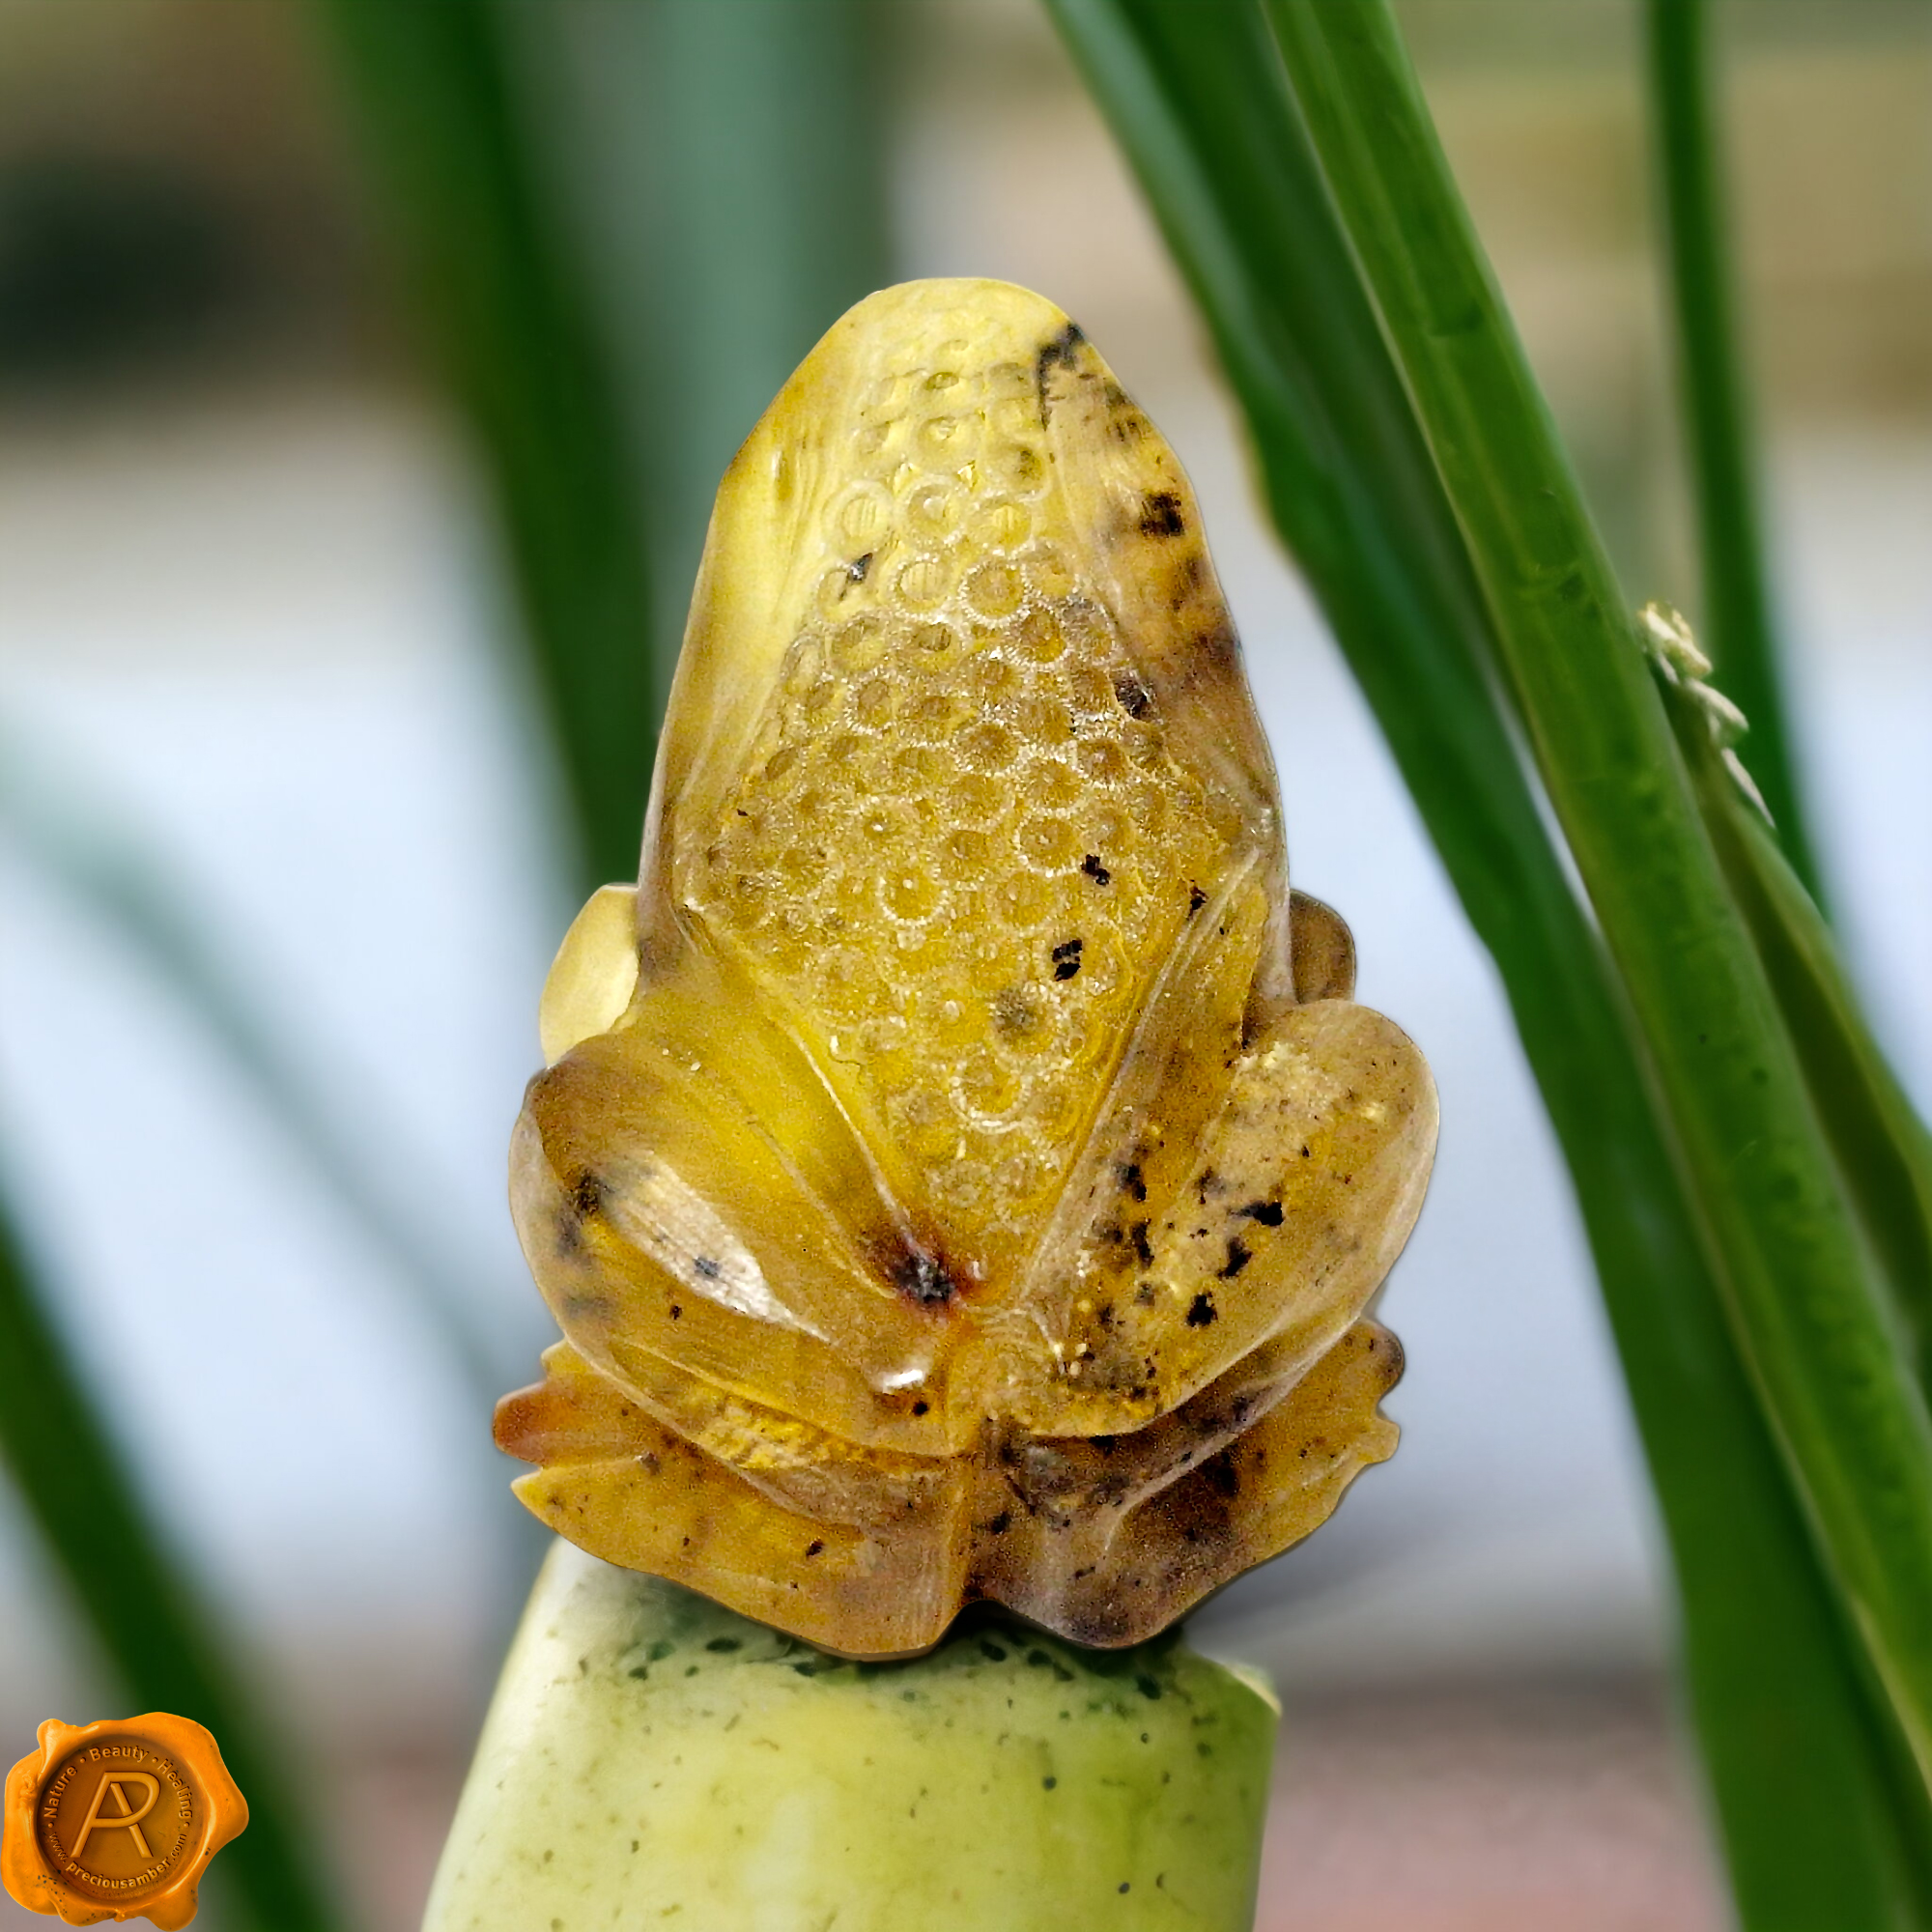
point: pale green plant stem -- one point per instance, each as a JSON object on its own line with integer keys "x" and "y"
{"x": 651, "y": 1757}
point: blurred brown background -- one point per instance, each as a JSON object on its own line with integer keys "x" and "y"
{"x": 250, "y": 609}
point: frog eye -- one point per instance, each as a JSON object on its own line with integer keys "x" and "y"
{"x": 959, "y": 1170}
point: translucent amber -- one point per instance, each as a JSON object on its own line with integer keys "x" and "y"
{"x": 960, "y": 1170}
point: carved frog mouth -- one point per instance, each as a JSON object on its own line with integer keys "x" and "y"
{"x": 961, "y": 1171}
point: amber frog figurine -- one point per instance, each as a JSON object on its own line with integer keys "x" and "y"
{"x": 960, "y": 1170}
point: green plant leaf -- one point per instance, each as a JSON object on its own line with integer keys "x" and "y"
{"x": 728, "y": 192}
{"x": 1884, "y": 1151}
{"x": 1843, "y": 1402}
{"x": 162, "y": 1641}
{"x": 515, "y": 329}
{"x": 1197, "y": 100}
{"x": 1739, "y": 625}
{"x": 628, "y": 224}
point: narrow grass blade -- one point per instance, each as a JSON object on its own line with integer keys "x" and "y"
{"x": 1883, "y": 1148}
{"x": 1843, "y": 1401}
{"x": 1739, "y": 623}
{"x": 515, "y": 329}
{"x": 160, "y": 1639}
{"x": 1197, "y": 100}
{"x": 134, "y": 891}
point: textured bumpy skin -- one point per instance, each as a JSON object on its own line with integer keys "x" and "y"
{"x": 960, "y": 1170}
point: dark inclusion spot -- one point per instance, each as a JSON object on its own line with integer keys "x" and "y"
{"x": 1266, "y": 1212}
{"x": 998, "y": 1527}
{"x": 704, "y": 1266}
{"x": 1201, "y": 1310}
{"x": 921, "y": 1408}
{"x": 1057, "y": 351}
{"x": 1131, "y": 1181}
{"x": 924, "y": 1279}
{"x": 1143, "y": 1248}
{"x": 1066, "y": 960}
{"x": 816, "y": 1547}
{"x": 1135, "y": 698}
{"x": 1196, "y": 899}
{"x": 1221, "y": 1476}
{"x": 1219, "y": 645}
{"x": 1125, "y": 423}
{"x": 1238, "y": 1258}
{"x": 856, "y": 571}
{"x": 586, "y": 1194}
{"x": 1160, "y": 515}
{"x": 1095, "y": 870}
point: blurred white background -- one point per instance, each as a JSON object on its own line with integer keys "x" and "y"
{"x": 252, "y": 612}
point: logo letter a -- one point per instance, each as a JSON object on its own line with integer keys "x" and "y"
{"x": 128, "y": 1820}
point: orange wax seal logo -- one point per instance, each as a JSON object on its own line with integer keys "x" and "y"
{"x": 117, "y": 1820}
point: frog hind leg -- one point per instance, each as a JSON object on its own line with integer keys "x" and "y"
{"x": 1111, "y": 1578}
{"x": 1272, "y": 1221}
{"x": 627, "y": 1485}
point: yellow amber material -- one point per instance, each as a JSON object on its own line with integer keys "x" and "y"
{"x": 961, "y": 1171}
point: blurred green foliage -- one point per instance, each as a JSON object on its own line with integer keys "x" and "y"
{"x": 507, "y": 301}
{"x": 1207, "y": 119}
{"x": 160, "y": 1636}
{"x": 562, "y": 181}
{"x": 1411, "y": 466}
{"x": 608, "y": 354}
